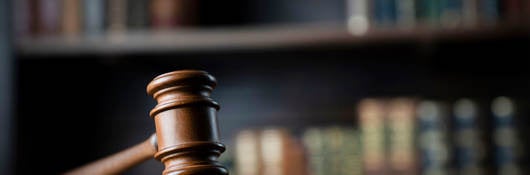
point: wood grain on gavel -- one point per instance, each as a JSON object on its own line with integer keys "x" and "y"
{"x": 186, "y": 123}
{"x": 186, "y": 129}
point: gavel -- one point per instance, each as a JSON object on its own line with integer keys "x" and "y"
{"x": 187, "y": 134}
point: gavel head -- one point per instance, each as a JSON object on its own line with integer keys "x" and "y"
{"x": 186, "y": 123}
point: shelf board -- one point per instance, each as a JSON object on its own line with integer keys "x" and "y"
{"x": 242, "y": 38}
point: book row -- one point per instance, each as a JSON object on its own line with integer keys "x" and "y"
{"x": 396, "y": 136}
{"x": 92, "y": 17}
{"x": 89, "y": 17}
{"x": 364, "y": 15}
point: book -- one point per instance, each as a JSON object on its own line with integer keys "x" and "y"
{"x": 164, "y": 13}
{"x": 117, "y": 16}
{"x": 71, "y": 17}
{"x": 467, "y": 143}
{"x": 512, "y": 10}
{"x": 351, "y": 152}
{"x": 248, "y": 153}
{"x": 313, "y": 139}
{"x": 400, "y": 122}
{"x": 406, "y": 13}
{"x": 358, "y": 16}
{"x": 48, "y": 17}
{"x": 371, "y": 113}
{"x": 94, "y": 17}
{"x": 505, "y": 137}
{"x": 470, "y": 14}
{"x": 22, "y": 17}
{"x": 429, "y": 12}
{"x": 281, "y": 154}
{"x": 489, "y": 12}
{"x": 332, "y": 150}
{"x": 451, "y": 13}
{"x": 433, "y": 138}
{"x": 384, "y": 13}
{"x": 138, "y": 14}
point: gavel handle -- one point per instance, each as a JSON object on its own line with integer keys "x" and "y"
{"x": 121, "y": 161}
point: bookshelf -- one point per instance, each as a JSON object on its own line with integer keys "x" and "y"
{"x": 271, "y": 37}
{"x": 290, "y": 70}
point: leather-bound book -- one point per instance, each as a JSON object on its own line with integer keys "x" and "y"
{"x": 71, "y": 17}
{"x": 169, "y": 14}
{"x": 117, "y": 16}
{"x": 94, "y": 17}
{"x": 48, "y": 17}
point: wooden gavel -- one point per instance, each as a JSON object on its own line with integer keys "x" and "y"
{"x": 187, "y": 139}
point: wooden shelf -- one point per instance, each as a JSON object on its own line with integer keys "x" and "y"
{"x": 244, "y": 38}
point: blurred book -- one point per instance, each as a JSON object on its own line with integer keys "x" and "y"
{"x": 469, "y": 148}
{"x": 22, "y": 17}
{"x": 371, "y": 114}
{"x": 49, "y": 13}
{"x": 470, "y": 14}
{"x": 281, "y": 154}
{"x": 401, "y": 125}
{"x": 505, "y": 137}
{"x": 138, "y": 14}
{"x": 313, "y": 139}
{"x": 512, "y": 10}
{"x": 117, "y": 15}
{"x": 406, "y": 14}
{"x": 489, "y": 12}
{"x": 71, "y": 17}
{"x": 248, "y": 153}
{"x": 384, "y": 13}
{"x": 164, "y": 13}
{"x": 359, "y": 17}
{"x": 433, "y": 138}
{"x": 332, "y": 150}
{"x": 451, "y": 13}
{"x": 94, "y": 17}
{"x": 269, "y": 151}
{"x": 429, "y": 12}
{"x": 168, "y": 14}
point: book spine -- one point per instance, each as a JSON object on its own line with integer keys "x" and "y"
{"x": 470, "y": 14}
{"x": 71, "y": 19}
{"x": 334, "y": 140}
{"x": 164, "y": 14}
{"x": 406, "y": 13}
{"x": 433, "y": 138}
{"x": 22, "y": 17}
{"x": 401, "y": 124}
{"x": 351, "y": 153}
{"x": 138, "y": 14}
{"x": 489, "y": 11}
{"x": 94, "y": 16}
{"x": 512, "y": 10}
{"x": 430, "y": 12}
{"x": 505, "y": 137}
{"x": 280, "y": 153}
{"x": 117, "y": 16}
{"x": 451, "y": 13}
{"x": 313, "y": 140}
{"x": 384, "y": 13}
{"x": 467, "y": 144}
{"x": 248, "y": 152}
{"x": 371, "y": 119}
{"x": 49, "y": 17}
{"x": 358, "y": 16}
